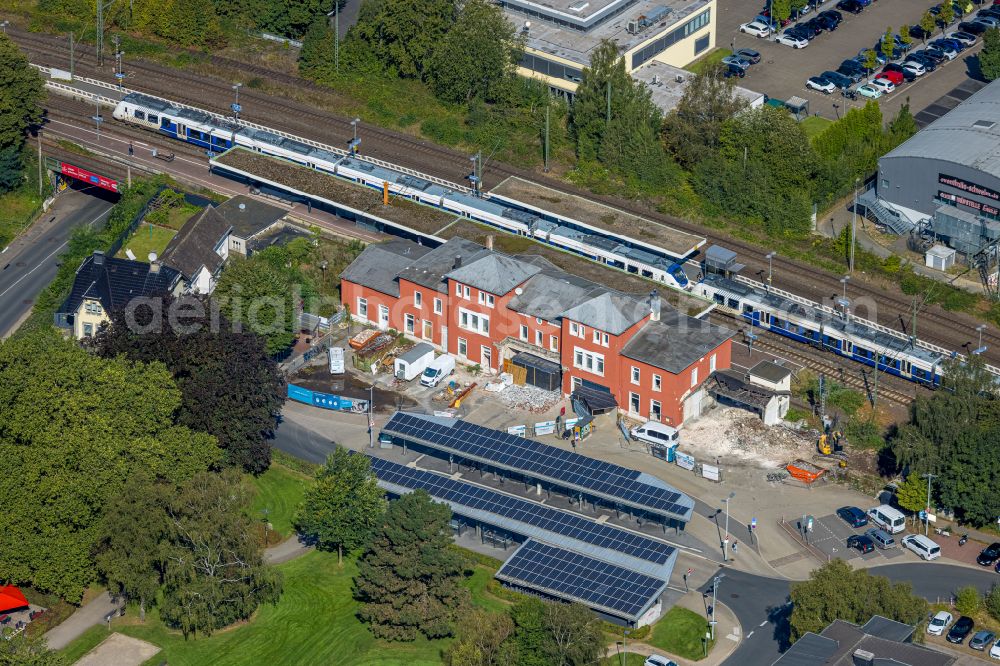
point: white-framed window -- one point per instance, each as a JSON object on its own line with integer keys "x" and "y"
{"x": 485, "y": 357}
{"x": 486, "y": 299}
{"x": 539, "y": 338}
{"x": 597, "y": 337}
{"x": 633, "y": 403}
{"x": 574, "y": 328}
{"x": 88, "y": 330}
{"x": 583, "y": 331}
{"x": 465, "y": 293}
{"x": 657, "y": 382}
{"x": 418, "y": 299}
{"x": 410, "y": 323}
{"x": 473, "y": 321}
{"x": 654, "y": 410}
{"x": 463, "y": 347}
{"x": 554, "y": 343}
{"x": 437, "y": 306}
{"x": 458, "y": 289}
{"x": 711, "y": 363}
{"x": 363, "y": 307}
{"x": 428, "y": 332}
{"x": 588, "y": 360}
{"x": 635, "y": 375}
{"x": 524, "y": 332}
{"x": 92, "y": 308}
{"x": 694, "y": 377}
{"x": 604, "y": 339}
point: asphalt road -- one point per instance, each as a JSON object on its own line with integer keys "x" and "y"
{"x": 31, "y": 262}
{"x": 301, "y": 442}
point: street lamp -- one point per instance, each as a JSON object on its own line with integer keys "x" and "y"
{"x": 371, "y": 416}
{"x": 927, "y": 512}
{"x": 98, "y": 119}
{"x": 715, "y": 597}
{"x": 120, "y": 74}
{"x": 980, "y": 349}
{"x": 355, "y": 142}
{"x": 235, "y": 106}
{"x": 769, "y": 256}
{"x": 625, "y": 632}
{"x": 844, "y": 280}
{"x": 725, "y": 543}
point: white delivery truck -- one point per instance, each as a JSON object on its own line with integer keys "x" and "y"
{"x": 410, "y": 364}
{"x": 336, "y": 355}
{"x": 440, "y": 368}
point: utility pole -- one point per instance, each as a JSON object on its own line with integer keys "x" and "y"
{"x": 71, "y": 56}
{"x": 547, "y": 107}
{"x": 100, "y": 32}
{"x": 854, "y": 223}
{"x": 371, "y": 416}
{"x": 725, "y": 542}
{"x": 609, "y": 103}
{"x": 336, "y": 36}
{"x": 38, "y": 134}
{"x": 715, "y": 597}
{"x": 927, "y": 507}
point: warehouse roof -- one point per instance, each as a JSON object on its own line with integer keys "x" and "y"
{"x": 968, "y": 135}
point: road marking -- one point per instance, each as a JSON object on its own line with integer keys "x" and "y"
{"x": 762, "y": 623}
{"x": 750, "y": 634}
{"x": 48, "y": 256}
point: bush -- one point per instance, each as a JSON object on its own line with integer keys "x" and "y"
{"x": 968, "y": 601}
{"x": 992, "y": 602}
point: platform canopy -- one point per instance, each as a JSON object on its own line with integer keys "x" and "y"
{"x": 11, "y": 598}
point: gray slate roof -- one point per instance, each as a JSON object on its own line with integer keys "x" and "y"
{"x": 194, "y": 245}
{"x": 770, "y": 371}
{"x": 494, "y": 273}
{"x": 115, "y": 282}
{"x": 674, "y": 342}
{"x": 254, "y": 217}
{"x": 837, "y": 643}
{"x": 956, "y": 136}
{"x": 548, "y": 294}
{"x": 377, "y": 265}
{"x": 611, "y": 311}
{"x": 430, "y": 270}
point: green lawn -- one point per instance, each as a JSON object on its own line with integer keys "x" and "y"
{"x": 16, "y": 209}
{"x": 710, "y": 59}
{"x": 680, "y": 632}
{"x": 813, "y": 125}
{"x": 631, "y": 659}
{"x": 147, "y": 238}
{"x": 280, "y": 491}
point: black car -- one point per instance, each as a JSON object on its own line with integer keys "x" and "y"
{"x": 852, "y": 6}
{"x": 840, "y": 80}
{"x": 734, "y": 70}
{"x": 803, "y": 29}
{"x": 852, "y": 69}
{"x": 916, "y": 32}
{"x": 933, "y": 54}
{"x": 908, "y": 75}
{"x": 962, "y": 628}
{"x": 817, "y": 24}
{"x": 989, "y": 556}
{"x": 862, "y": 543}
{"x": 832, "y": 14}
{"x": 828, "y": 22}
{"x": 853, "y": 516}
{"x": 972, "y": 27}
{"x": 990, "y": 12}
{"x": 927, "y": 62}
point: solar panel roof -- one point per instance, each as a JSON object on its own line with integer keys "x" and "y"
{"x": 565, "y": 468}
{"x": 575, "y": 577}
{"x": 532, "y": 519}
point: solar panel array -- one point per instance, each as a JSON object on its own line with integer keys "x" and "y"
{"x": 566, "y": 574}
{"x": 540, "y": 460}
{"x": 516, "y": 509}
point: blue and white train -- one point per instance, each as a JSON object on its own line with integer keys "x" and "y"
{"x": 832, "y": 332}
{"x": 217, "y": 135}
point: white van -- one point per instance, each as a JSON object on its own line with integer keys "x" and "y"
{"x": 889, "y": 519}
{"x": 654, "y": 432}
{"x": 922, "y": 546}
{"x": 439, "y": 368}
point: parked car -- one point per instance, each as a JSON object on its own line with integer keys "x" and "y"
{"x": 929, "y": 65}
{"x": 879, "y": 56}
{"x": 820, "y": 84}
{"x": 943, "y": 53}
{"x": 736, "y": 61}
{"x": 967, "y": 38}
{"x": 982, "y": 639}
{"x": 896, "y": 78}
{"x": 989, "y": 556}
{"x": 751, "y": 56}
{"x": 852, "y": 6}
{"x": 935, "y": 56}
{"x": 988, "y": 19}
{"x": 896, "y": 67}
{"x": 832, "y": 14}
{"x": 916, "y": 32}
{"x": 792, "y": 40}
{"x": 962, "y": 628}
{"x": 881, "y": 538}
{"x": 756, "y": 28}
{"x": 853, "y": 71}
{"x": 924, "y": 548}
{"x": 914, "y": 67}
{"x": 817, "y": 24}
{"x": 836, "y": 78}
{"x": 826, "y": 22}
{"x": 869, "y": 91}
{"x": 803, "y": 30}
{"x": 973, "y": 27}
{"x": 995, "y": 650}
{"x": 884, "y": 86}
{"x": 732, "y": 70}
{"x": 939, "y": 623}
{"x": 853, "y": 516}
{"x": 861, "y": 542}
{"x": 658, "y": 660}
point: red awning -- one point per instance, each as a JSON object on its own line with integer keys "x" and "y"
{"x": 11, "y": 599}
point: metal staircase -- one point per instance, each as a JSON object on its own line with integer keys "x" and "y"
{"x": 881, "y": 214}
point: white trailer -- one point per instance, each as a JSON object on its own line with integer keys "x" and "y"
{"x": 336, "y": 360}
{"x": 409, "y": 365}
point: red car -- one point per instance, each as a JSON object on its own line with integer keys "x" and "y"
{"x": 895, "y": 77}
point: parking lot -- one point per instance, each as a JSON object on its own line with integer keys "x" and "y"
{"x": 783, "y": 71}
{"x": 830, "y": 536}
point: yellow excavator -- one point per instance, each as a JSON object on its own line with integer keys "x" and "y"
{"x": 832, "y": 444}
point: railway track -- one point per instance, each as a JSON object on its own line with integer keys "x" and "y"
{"x": 946, "y": 329}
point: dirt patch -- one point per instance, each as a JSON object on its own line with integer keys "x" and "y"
{"x": 318, "y": 378}
{"x": 737, "y": 436}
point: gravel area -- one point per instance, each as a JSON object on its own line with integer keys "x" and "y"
{"x": 737, "y": 436}
{"x": 401, "y": 211}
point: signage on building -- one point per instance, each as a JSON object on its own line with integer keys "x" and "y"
{"x": 958, "y": 199}
{"x": 685, "y": 461}
{"x": 88, "y": 177}
{"x": 967, "y": 187}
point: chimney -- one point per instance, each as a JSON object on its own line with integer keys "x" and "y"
{"x": 489, "y": 242}
{"x": 863, "y": 657}
{"x": 98, "y": 258}
{"x": 458, "y": 261}
{"x": 654, "y": 306}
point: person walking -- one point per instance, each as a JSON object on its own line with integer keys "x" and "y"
{"x": 131, "y": 150}
{"x": 735, "y": 546}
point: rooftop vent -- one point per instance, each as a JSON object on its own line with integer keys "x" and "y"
{"x": 984, "y": 124}
{"x": 578, "y": 7}
{"x": 98, "y": 258}
{"x": 243, "y": 206}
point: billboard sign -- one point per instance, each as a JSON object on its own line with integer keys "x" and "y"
{"x": 88, "y": 177}
{"x": 967, "y": 187}
{"x": 685, "y": 461}
{"x": 969, "y": 203}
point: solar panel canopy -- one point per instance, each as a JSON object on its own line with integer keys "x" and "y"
{"x": 574, "y": 577}
{"x": 565, "y": 468}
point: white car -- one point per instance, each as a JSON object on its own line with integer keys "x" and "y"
{"x": 995, "y": 650}
{"x": 755, "y": 28}
{"x": 885, "y": 86}
{"x": 791, "y": 40}
{"x": 658, "y": 660}
{"x": 914, "y": 67}
{"x": 820, "y": 84}
{"x": 939, "y": 623}
{"x": 988, "y": 20}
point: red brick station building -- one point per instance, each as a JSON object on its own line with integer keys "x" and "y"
{"x": 483, "y": 307}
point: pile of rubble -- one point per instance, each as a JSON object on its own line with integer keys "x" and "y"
{"x": 528, "y": 398}
{"x": 734, "y": 435}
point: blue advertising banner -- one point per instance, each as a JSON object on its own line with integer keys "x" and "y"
{"x": 300, "y": 394}
{"x": 327, "y": 400}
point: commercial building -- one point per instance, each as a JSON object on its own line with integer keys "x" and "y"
{"x": 561, "y": 35}
{"x": 880, "y": 641}
{"x": 485, "y": 307}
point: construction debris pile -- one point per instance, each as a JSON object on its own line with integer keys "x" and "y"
{"x": 527, "y": 398}
{"x": 737, "y": 436}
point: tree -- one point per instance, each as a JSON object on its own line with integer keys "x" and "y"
{"x": 989, "y": 56}
{"x": 912, "y": 493}
{"x": 904, "y": 35}
{"x": 25, "y": 650}
{"x": 836, "y": 591}
{"x": 230, "y": 387}
{"x": 927, "y": 24}
{"x": 20, "y": 97}
{"x": 691, "y": 131}
{"x": 529, "y": 632}
{"x": 781, "y": 10}
{"x": 317, "y": 57}
{"x": 292, "y": 18}
{"x": 409, "y": 578}
{"x": 589, "y": 114}
{"x": 869, "y": 60}
{"x": 258, "y": 297}
{"x": 951, "y": 434}
{"x": 73, "y": 427}
{"x": 459, "y": 73}
{"x": 992, "y": 602}
{"x": 11, "y": 170}
{"x": 213, "y": 564}
{"x": 947, "y": 14}
{"x": 574, "y": 633}
{"x": 888, "y": 45}
{"x": 968, "y": 600}
{"x": 129, "y": 534}
{"x": 796, "y": 6}
{"x": 402, "y": 34}
{"x": 343, "y": 506}
{"x": 902, "y": 127}
{"x": 483, "y": 639}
